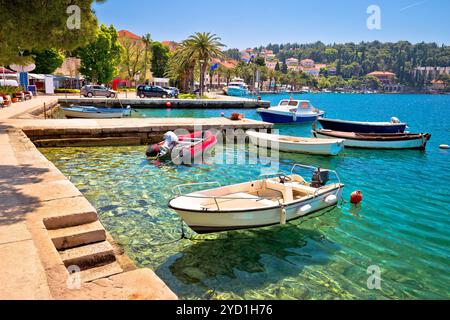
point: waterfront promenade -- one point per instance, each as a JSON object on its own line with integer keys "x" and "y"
{"x": 47, "y": 226}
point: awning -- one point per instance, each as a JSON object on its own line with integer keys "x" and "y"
{"x": 36, "y": 76}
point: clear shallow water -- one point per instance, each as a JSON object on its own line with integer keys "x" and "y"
{"x": 402, "y": 225}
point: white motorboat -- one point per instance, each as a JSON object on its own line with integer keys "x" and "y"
{"x": 237, "y": 88}
{"x": 273, "y": 199}
{"x": 326, "y": 147}
{"x": 89, "y": 112}
{"x": 291, "y": 111}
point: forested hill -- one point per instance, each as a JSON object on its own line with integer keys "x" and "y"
{"x": 355, "y": 60}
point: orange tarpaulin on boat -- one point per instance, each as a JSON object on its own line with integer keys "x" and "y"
{"x": 305, "y": 105}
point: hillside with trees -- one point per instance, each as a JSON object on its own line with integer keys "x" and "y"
{"x": 357, "y": 60}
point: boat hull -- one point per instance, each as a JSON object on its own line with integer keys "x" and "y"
{"x": 419, "y": 142}
{"x": 272, "y": 116}
{"x": 320, "y": 147}
{"x": 235, "y": 92}
{"x": 69, "y": 113}
{"x": 361, "y": 127}
{"x": 208, "y": 222}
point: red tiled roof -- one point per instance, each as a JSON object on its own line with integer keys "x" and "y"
{"x": 5, "y": 71}
{"x": 128, "y": 34}
{"x": 171, "y": 44}
{"x": 228, "y": 64}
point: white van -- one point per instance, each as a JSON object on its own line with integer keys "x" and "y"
{"x": 7, "y": 82}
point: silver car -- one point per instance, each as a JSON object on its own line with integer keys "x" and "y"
{"x": 97, "y": 91}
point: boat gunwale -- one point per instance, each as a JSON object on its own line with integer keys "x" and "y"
{"x": 388, "y": 137}
{"x": 368, "y": 123}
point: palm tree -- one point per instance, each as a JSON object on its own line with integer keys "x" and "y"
{"x": 202, "y": 47}
{"x": 147, "y": 40}
{"x": 181, "y": 67}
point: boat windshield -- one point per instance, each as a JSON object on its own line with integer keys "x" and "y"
{"x": 291, "y": 103}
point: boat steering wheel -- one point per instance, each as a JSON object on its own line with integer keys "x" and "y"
{"x": 284, "y": 178}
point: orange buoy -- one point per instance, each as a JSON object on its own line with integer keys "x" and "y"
{"x": 356, "y": 197}
{"x": 168, "y": 104}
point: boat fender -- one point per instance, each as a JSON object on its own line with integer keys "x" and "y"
{"x": 444, "y": 146}
{"x": 331, "y": 199}
{"x": 168, "y": 104}
{"x": 306, "y": 208}
{"x": 356, "y": 197}
{"x": 283, "y": 215}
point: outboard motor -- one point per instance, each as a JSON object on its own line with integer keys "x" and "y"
{"x": 152, "y": 151}
{"x": 395, "y": 120}
{"x": 320, "y": 178}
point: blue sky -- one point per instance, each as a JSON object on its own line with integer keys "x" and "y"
{"x": 250, "y": 23}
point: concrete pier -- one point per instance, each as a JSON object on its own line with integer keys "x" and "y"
{"x": 103, "y": 132}
{"x": 155, "y": 103}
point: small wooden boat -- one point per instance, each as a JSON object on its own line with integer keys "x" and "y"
{"x": 290, "y": 111}
{"x": 89, "y": 112}
{"x": 273, "y": 199}
{"x": 326, "y": 147}
{"x": 363, "y": 127}
{"x": 377, "y": 140}
{"x": 188, "y": 148}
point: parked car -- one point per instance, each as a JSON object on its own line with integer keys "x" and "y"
{"x": 175, "y": 91}
{"x": 97, "y": 91}
{"x": 147, "y": 91}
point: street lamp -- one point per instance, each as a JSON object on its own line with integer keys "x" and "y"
{"x": 201, "y": 77}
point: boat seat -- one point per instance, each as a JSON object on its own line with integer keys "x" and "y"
{"x": 284, "y": 189}
{"x": 242, "y": 201}
{"x": 239, "y": 196}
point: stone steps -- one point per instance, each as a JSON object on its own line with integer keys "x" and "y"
{"x": 76, "y": 236}
{"x": 70, "y": 220}
{"x": 88, "y": 256}
{"x": 99, "y": 272}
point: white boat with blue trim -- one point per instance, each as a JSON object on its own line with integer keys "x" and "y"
{"x": 273, "y": 199}
{"x": 291, "y": 111}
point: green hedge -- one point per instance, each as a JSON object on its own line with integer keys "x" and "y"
{"x": 8, "y": 90}
{"x": 126, "y": 90}
{"x": 67, "y": 90}
{"x": 190, "y": 96}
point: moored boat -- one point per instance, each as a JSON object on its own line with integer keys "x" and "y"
{"x": 395, "y": 126}
{"x": 377, "y": 140}
{"x": 237, "y": 88}
{"x": 326, "y": 147}
{"x": 89, "y": 112}
{"x": 271, "y": 200}
{"x": 291, "y": 111}
{"x": 186, "y": 149}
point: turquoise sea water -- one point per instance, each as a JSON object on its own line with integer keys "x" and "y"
{"x": 402, "y": 226}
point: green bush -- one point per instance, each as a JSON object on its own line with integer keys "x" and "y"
{"x": 62, "y": 90}
{"x": 190, "y": 96}
{"x": 126, "y": 89}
